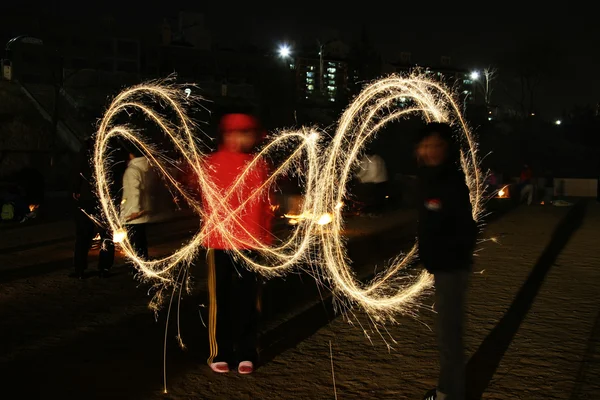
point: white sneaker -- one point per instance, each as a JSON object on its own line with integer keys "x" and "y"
{"x": 220, "y": 367}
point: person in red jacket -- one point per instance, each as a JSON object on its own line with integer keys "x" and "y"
{"x": 235, "y": 300}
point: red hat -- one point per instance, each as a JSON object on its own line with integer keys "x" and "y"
{"x": 238, "y": 122}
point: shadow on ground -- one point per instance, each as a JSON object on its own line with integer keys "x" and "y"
{"x": 484, "y": 363}
{"x": 586, "y": 374}
{"x": 107, "y": 344}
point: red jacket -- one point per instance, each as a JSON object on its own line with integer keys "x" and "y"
{"x": 223, "y": 168}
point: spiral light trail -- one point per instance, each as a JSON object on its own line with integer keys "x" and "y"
{"x": 317, "y": 245}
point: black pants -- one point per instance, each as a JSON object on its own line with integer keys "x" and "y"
{"x": 374, "y": 197}
{"x": 450, "y": 294}
{"x": 85, "y": 229}
{"x": 138, "y": 239}
{"x": 233, "y": 310}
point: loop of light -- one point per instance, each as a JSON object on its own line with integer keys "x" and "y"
{"x": 326, "y": 169}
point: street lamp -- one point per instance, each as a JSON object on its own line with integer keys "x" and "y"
{"x": 474, "y": 75}
{"x": 7, "y": 62}
{"x": 284, "y": 51}
{"x": 558, "y": 122}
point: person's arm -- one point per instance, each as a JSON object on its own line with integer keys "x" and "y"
{"x": 465, "y": 227}
{"x": 80, "y": 166}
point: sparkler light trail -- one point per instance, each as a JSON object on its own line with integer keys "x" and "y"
{"x": 317, "y": 245}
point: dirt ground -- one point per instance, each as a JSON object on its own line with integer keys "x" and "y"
{"x": 533, "y": 330}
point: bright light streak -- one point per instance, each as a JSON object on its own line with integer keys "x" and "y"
{"x": 327, "y": 166}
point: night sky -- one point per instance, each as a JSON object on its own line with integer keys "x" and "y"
{"x": 477, "y": 40}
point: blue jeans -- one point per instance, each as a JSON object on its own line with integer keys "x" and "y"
{"x": 450, "y": 293}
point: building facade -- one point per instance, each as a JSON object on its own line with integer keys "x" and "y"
{"x": 321, "y": 80}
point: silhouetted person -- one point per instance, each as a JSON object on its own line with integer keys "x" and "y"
{"x": 87, "y": 209}
{"x": 548, "y": 188}
{"x": 446, "y": 235}
{"x": 373, "y": 178}
{"x": 527, "y": 186}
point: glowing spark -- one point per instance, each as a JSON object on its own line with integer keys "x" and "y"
{"x": 324, "y": 219}
{"x": 326, "y": 172}
{"x": 119, "y": 236}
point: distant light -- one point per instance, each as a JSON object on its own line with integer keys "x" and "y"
{"x": 533, "y": 114}
{"x": 558, "y": 122}
{"x": 284, "y": 51}
{"x": 474, "y": 75}
{"x": 489, "y": 118}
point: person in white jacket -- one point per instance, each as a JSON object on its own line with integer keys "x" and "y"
{"x": 372, "y": 174}
{"x": 136, "y": 205}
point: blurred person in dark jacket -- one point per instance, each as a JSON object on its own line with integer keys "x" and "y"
{"x": 447, "y": 235}
{"x": 87, "y": 206}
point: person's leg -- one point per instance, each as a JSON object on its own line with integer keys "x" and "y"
{"x": 138, "y": 240}
{"x": 220, "y": 269}
{"x": 106, "y": 256}
{"x": 450, "y": 293}
{"x": 527, "y": 192}
{"x": 143, "y": 240}
{"x": 548, "y": 195}
{"x": 381, "y": 193}
{"x": 246, "y": 314}
{"x": 84, "y": 234}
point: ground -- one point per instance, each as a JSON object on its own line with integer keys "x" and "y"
{"x": 532, "y": 333}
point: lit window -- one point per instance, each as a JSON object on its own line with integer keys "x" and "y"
{"x": 331, "y": 70}
{"x": 312, "y": 68}
{"x": 331, "y": 88}
{"x": 310, "y": 87}
{"x": 330, "y": 76}
{"x": 310, "y": 74}
{"x": 331, "y": 99}
{"x": 331, "y": 64}
{"x": 332, "y": 82}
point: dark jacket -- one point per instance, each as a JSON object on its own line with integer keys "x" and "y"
{"x": 83, "y": 176}
{"x": 447, "y": 231}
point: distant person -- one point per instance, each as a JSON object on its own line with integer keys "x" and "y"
{"x": 549, "y": 188}
{"x": 492, "y": 185}
{"x": 136, "y": 203}
{"x": 527, "y": 184}
{"x": 447, "y": 234}
{"x": 87, "y": 209}
{"x": 233, "y": 289}
{"x": 373, "y": 177}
